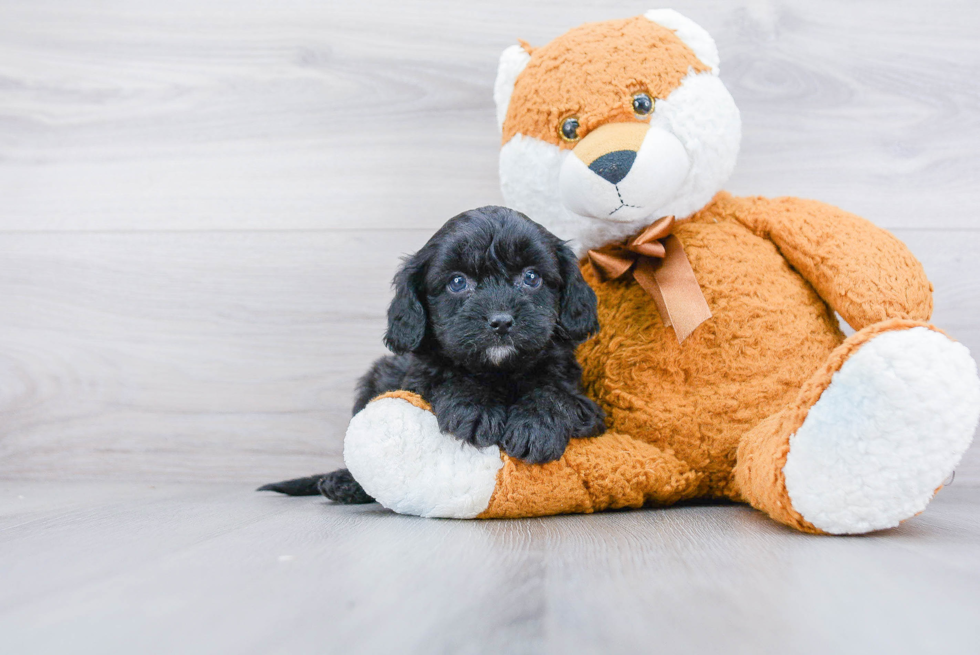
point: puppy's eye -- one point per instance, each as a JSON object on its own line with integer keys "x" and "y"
{"x": 531, "y": 278}
{"x": 457, "y": 283}
{"x": 642, "y": 104}
{"x": 568, "y": 130}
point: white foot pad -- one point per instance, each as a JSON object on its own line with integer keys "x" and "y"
{"x": 397, "y": 453}
{"x": 893, "y": 424}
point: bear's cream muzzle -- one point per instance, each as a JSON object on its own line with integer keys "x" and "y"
{"x": 623, "y": 172}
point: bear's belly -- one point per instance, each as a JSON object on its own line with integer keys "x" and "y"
{"x": 769, "y": 331}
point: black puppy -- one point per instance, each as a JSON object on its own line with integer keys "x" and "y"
{"x": 484, "y": 324}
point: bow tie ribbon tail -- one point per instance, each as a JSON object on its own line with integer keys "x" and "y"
{"x": 671, "y": 283}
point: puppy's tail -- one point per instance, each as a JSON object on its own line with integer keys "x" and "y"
{"x": 297, "y": 487}
{"x": 339, "y": 486}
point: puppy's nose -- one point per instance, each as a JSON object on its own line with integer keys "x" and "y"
{"x": 501, "y": 323}
{"x": 614, "y": 166}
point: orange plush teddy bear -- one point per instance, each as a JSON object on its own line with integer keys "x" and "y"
{"x": 719, "y": 363}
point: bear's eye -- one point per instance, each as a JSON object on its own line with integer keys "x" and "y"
{"x": 457, "y": 283}
{"x": 642, "y": 104}
{"x": 569, "y": 129}
{"x": 531, "y": 278}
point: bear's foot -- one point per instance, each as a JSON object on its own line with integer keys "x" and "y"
{"x": 872, "y": 437}
{"x": 396, "y": 452}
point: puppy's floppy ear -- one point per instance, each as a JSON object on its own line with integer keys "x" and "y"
{"x": 406, "y": 314}
{"x": 577, "y": 315}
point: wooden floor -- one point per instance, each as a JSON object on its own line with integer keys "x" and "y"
{"x": 201, "y": 207}
{"x": 193, "y": 568}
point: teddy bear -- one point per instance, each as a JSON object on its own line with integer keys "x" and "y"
{"x": 720, "y": 361}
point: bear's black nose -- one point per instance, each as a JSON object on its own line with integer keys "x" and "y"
{"x": 613, "y": 166}
{"x": 501, "y": 323}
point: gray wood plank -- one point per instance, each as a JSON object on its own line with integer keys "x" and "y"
{"x": 133, "y": 116}
{"x": 186, "y": 354}
{"x": 233, "y": 356}
{"x": 216, "y": 568}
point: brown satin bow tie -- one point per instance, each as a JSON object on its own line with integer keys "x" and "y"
{"x": 660, "y": 266}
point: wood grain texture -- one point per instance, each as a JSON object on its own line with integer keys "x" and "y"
{"x": 201, "y": 204}
{"x": 130, "y": 568}
{"x": 127, "y": 115}
{"x": 191, "y": 354}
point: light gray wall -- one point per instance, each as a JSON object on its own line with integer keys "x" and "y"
{"x": 202, "y": 204}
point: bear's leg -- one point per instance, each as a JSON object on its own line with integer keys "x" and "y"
{"x": 396, "y": 452}
{"x": 871, "y": 436}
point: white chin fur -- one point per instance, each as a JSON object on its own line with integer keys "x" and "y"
{"x": 700, "y": 114}
{"x": 661, "y": 166}
{"x": 893, "y": 424}
{"x": 497, "y": 354}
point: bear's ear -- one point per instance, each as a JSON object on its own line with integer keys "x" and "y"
{"x": 512, "y": 62}
{"x": 693, "y": 35}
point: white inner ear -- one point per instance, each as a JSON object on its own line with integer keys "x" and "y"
{"x": 512, "y": 62}
{"x": 693, "y": 35}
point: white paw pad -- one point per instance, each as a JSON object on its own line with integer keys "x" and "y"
{"x": 397, "y": 453}
{"x": 893, "y": 424}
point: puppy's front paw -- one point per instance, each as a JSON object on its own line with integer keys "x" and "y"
{"x": 534, "y": 438}
{"x": 480, "y": 426}
{"x": 590, "y": 420}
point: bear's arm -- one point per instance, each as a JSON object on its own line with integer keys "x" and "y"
{"x": 862, "y": 271}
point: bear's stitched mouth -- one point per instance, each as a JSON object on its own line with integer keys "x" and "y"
{"x": 622, "y": 203}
